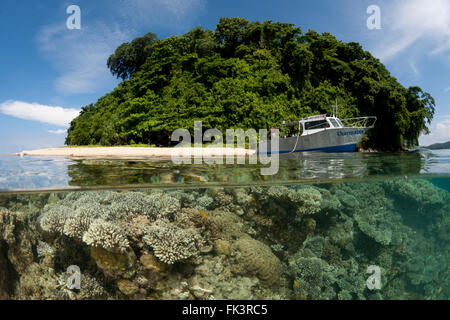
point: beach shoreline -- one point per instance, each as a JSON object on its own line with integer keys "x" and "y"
{"x": 135, "y": 152}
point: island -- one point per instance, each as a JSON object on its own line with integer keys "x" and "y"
{"x": 247, "y": 75}
{"x": 438, "y": 146}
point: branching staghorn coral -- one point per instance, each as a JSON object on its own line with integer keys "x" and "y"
{"x": 187, "y": 198}
{"x": 164, "y": 206}
{"x": 171, "y": 243}
{"x": 306, "y": 199}
{"x": 54, "y": 219}
{"x": 204, "y": 202}
{"x": 243, "y": 198}
{"x": 75, "y": 226}
{"x": 309, "y": 277}
{"x": 106, "y": 235}
{"x": 92, "y": 215}
{"x": 154, "y": 206}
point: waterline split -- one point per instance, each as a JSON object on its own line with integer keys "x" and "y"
{"x": 182, "y": 153}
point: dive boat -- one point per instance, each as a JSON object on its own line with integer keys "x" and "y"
{"x": 323, "y": 133}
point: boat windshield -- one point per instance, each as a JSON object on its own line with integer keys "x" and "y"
{"x": 319, "y": 124}
{"x": 334, "y": 123}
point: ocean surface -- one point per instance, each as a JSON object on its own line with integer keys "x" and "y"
{"x": 326, "y": 226}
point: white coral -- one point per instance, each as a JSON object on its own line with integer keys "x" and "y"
{"x": 203, "y": 202}
{"x": 54, "y": 219}
{"x": 163, "y": 205}
{"x": 171, "y": 243}
{"x": 76, "y": 225}
{"x": 308, "y": 198}
{"x": 133, "y": 204}
{"x": 107, "y": 235}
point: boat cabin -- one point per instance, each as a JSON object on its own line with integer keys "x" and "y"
{"x": 315, "y": 124}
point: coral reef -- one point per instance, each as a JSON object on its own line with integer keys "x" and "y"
{"x": 53, "y": 220}
{"x": 305, "y": 200}
{"x": 418, "y": 194}
{"x": 39, "y": 283}
{"x": 96, "y": 217}
{"x": 308, "y": 198}
{"x": 77, "y": 225}
{"x": 260, "y": 242}
{"x": 315, "y": 278}
{"x": 171, "y": 243}
{"x": 4, "y": 279}
{"x": 259, "y": 260}
{"x": 106, "y": 235}
{"x": 110, "y": 261}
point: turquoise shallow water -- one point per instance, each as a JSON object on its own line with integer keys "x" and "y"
{"x": 327, "y": 226}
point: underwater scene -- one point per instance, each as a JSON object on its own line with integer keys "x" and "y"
{"x": 353, "y": 226}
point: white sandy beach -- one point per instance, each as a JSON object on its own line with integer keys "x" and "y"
{"x": 135, "y": 152}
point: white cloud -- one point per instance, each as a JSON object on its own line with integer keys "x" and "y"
{"x": 59, "y": 131}
{"x": 447, "y": 89}
{"x": 440, "y": 132}
{"x": 414, "y": 68}
{"x": 387, "y": 49}
{"x": 410, "y": 22}
{"x": 33, "y": 111}
{"x": 80, "y": 55}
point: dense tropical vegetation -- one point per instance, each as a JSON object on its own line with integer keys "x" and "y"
{"x": 247, "y": 75}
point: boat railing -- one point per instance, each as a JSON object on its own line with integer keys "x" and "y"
{"x": 360, "y": 122}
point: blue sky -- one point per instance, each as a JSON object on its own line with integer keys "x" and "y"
{"x": 49, "y": 72}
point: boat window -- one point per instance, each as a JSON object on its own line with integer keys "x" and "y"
{"x": 334, "y": 123}
{"x": 319, "y": 124}
{"x": 339, "y": 121}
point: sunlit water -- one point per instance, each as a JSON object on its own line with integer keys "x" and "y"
{"x": 37, "y": 173}
{"x": 326, "y": 226}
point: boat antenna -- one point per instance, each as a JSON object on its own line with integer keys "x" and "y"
{"x": 336, "y": 108}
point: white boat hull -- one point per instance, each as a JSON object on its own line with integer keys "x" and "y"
{"x": 329, "y": 140}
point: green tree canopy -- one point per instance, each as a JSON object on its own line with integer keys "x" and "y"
{"x": 247, "y": 75}
{"x": 128, "y": 57}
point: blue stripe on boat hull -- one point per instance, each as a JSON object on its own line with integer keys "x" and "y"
{"x": 343, "y": 148}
